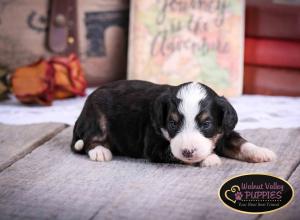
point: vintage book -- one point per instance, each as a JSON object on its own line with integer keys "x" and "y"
{"x": 273, "y": 19}
{"x": 179, "y": 41}
{"x": 271, "y": 81}
{"x": 272, "y": 52}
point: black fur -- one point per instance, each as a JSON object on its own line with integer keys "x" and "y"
{"x": 134, "y": 113}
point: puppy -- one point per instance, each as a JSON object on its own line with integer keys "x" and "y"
{"x": 188, "y": 124}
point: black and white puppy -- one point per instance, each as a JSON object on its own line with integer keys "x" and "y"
{"x": 188, "y": 123}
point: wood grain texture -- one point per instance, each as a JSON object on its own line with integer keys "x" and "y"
{"x": 17, "y": 141}
{"x": 291, "y": 212}
{"x": 52, "y": 182}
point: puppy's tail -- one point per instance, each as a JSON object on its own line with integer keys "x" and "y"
{"x": 78, "y": 146}
{"x": 77, "y": 143}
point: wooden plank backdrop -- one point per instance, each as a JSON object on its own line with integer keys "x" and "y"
{"x": 52, "y": 182}
{"x": 16, "y": 141}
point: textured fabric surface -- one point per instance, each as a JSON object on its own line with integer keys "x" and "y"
{"x": 254, "y": 111}
{"x": 53, "y": 183}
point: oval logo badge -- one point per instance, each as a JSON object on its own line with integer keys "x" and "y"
{"x": 256, "y": 193}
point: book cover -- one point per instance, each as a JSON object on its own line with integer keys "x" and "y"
{"x": 272, "y": 52}
{"x": 273, "y": 19}
{"x": 185, "y": 40}
{"x": 271, "y": 81}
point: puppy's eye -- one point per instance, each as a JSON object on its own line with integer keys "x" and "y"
{"x": 172, "y": 124}
{"x": 206, "y": 125}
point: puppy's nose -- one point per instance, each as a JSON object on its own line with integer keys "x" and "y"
{"x": 188, "y": 153}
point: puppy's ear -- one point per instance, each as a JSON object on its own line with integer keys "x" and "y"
{"x": 159, "y": 112}
{"x": 229, "y": 115}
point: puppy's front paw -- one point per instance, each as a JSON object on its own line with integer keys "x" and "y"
{"x": 100, "y": 153}
{"x": 255, "y": 154}
{"x": 211, "y": 160}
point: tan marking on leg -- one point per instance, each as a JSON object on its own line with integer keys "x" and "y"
{"x": 216, "y": 138}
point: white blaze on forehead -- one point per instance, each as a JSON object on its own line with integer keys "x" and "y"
{"x": 189, "y": 137}
{"x": 190, "y": 95}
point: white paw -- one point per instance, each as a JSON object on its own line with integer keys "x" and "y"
{"x": 211, "y": 160}
{"x": 100, "y": 153}
{"x": 255, "y": 154}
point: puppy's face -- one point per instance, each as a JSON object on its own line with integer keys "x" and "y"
{"x": 193, "y": 119}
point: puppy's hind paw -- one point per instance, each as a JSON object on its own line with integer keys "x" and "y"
{"x": 100, "y": 153}
{"x": 211, "y": 160}
{"x": 257, "y": 154}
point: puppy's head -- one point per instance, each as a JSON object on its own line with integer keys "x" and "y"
{"x": 192, "y": 118}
